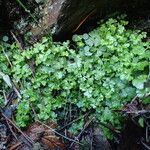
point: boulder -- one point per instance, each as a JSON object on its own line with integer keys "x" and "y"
{"x": 67, "y": 16}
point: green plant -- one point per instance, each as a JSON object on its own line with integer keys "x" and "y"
{"x": 116, "y": 61}
{"x": 4, "y": 69}
{"x": 108, "y": 68}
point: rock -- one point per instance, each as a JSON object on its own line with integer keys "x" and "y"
{"x": 66, "y": 16}
{"x": 49, "y": 19}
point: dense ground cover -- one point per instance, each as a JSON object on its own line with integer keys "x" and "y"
{"x": 103, "y": 70}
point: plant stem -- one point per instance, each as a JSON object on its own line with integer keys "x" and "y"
{"x": 27, "y": 10}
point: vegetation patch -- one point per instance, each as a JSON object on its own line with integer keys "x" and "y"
{"x": 105, "y": 70}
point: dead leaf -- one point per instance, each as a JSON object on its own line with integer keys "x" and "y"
{"x": 39, "y": 133}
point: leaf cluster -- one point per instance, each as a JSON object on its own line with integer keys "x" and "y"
{"x": 109, "y": 66}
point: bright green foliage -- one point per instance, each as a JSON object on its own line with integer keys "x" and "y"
{"x": 115, "y": 65}
{"x": 23, "y": 113}
{"x": 108, "y": 67}
{"x": 4, "y": 63}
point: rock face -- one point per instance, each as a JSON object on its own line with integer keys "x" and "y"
{"x": 74, "y": 13}
{"x": 66, "y": 16}
{"x": 49, "y": 19}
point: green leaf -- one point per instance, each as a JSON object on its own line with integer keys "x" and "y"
{"x": 141, "y": 122}
{"x": 146, "y": 100}
{"x": 139, "y": 81}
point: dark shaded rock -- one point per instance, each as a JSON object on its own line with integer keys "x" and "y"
{"x": 67, "y": 16}
{"x": 131, "y": 137}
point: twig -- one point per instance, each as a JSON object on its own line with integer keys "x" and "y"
{"x": 6, "y": 101}
{"x": 34, "y": 113}
{"x": 24, "y": 135}
{"x": 11, "y": 130}
{"x": 147, "y": 95}
{"x": 7, "y": 57}
{"x": 14, "y": 147}
{"x": 136, "y": 97}
{"x": 85, "y": 126}
{"x": 73, "y": 121}
{"x": 21, "y": 48}
{"x": 17, "y": 41}
{"x": 16, "y": 90}
{"x": 26, "y": 10}
{"x": 137, "y": 112}
{"x": 109, "y": 127}
{"x": 147, "y": 135}
{"x": 83, "y": 20}
{"x": 145, "y": 145}
{"x": 10, "y": 83}
{"x": 58, "y": 133}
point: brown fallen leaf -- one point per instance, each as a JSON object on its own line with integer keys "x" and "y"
{"x": 39, "y": 133}
{"x": 52, "y": 142}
